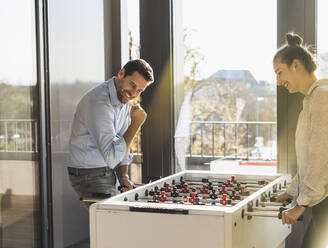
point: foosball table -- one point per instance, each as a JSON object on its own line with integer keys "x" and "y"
{"x": 193, "y": 209}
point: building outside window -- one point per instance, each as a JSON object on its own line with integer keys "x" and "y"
{"x": 227, "y": 119}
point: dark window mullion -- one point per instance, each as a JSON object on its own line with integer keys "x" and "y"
{"x": 44, "y": 135}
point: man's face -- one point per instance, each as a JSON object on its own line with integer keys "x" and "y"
{"x": 130, "y": 87}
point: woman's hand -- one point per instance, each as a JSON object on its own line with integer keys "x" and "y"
{"x": 291, "y": 215}
{"x": 284, "y": 198}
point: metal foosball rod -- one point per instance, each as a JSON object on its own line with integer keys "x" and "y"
{"x": 249, "y": 187}
{"x": 200, "y": 186}
{"x": 215, "y": 185}
{"x": 265, "y": 214}
{"x": 249, "y": 183}
{"x": 272, "y": 204}
{"x": 261, "y": 214}
{"x": 273, "y": 209}
{"x": 216, "y": 204}
{"x": 237, "y": 196}
{"x": 191, "y": 199}
{"x": 203, "y": 191}
{"x": 222, "y": 181}
{"x": 169, "y": 198}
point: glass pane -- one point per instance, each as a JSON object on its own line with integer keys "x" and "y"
{"x": 133, "y": 29}
{"x": 227, "y": 119}
{"x": 76, "y": 47}
{"x": 322, "y": 39}
{"x": 19, "y": 168}
{"x": 134, "y": 53}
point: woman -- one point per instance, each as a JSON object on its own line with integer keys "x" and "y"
{"x": 294, "y": 66}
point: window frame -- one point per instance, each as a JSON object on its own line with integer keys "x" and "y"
{"x": 157, "y": 15}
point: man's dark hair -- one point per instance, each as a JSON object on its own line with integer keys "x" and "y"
{"x": 140, "y": 66}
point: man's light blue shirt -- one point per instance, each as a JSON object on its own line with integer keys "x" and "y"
{"x": 99, "y": 124}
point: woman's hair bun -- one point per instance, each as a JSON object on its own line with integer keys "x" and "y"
{"x": 293, "y": 39}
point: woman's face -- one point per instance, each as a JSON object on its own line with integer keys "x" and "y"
{"x": 286, "y": 76}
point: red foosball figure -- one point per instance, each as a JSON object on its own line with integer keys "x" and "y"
{"x": 162, "y": 197}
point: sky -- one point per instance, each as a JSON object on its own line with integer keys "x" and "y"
{"x": 17, "y": 44}
{"x": 230, "y": 34}
{"x": 233, "y": 35}
{"x": 133, "y": 19}
{"x": 226, "y": 35}
{"x": 76, "y": 41}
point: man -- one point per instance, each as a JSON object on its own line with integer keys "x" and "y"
{"x": 103, "y": 129}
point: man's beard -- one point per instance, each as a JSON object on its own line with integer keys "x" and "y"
{"x": 120, "y": 94}
{"x": 123, "y": 95}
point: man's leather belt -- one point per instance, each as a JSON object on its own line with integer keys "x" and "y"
{"x": 87, "y": 171}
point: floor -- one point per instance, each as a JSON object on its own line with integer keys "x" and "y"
{"x": 19, "y": 221}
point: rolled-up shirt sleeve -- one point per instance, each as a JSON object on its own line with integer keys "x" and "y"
{"x": 314, "y": 185}
{"x": 127, "y": 159}
{"x": 101, "y": 123}
{"x": 128, "y": 156}
{"x": 293, "y": 187}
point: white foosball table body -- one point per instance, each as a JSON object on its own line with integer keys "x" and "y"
{"x": 119, "y": 223}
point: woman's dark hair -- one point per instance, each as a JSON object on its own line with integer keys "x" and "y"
{"x": 293, "y": 49}
{"x": 140, "y": 66}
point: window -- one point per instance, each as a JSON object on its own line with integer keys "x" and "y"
{"x": 20, "y": 215}
{"x": 227, "y": 118}
{"x": 134, "y": 53}
{"x": 322, "y": 40}
{"x": 77, "y": 63}
{"x": 133, "y": 29}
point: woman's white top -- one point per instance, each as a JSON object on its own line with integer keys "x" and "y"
{"x": 310, "y": 184}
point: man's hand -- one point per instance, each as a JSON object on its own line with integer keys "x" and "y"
{"x": 123, "y": 178}
{"x": 291, "y": 216}
{"x": 284, "y": 198}
{"x": 125, "y": 183}
{"x": 138, "y": 115}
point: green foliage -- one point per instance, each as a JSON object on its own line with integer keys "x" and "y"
{"x": 17, "y": 101}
